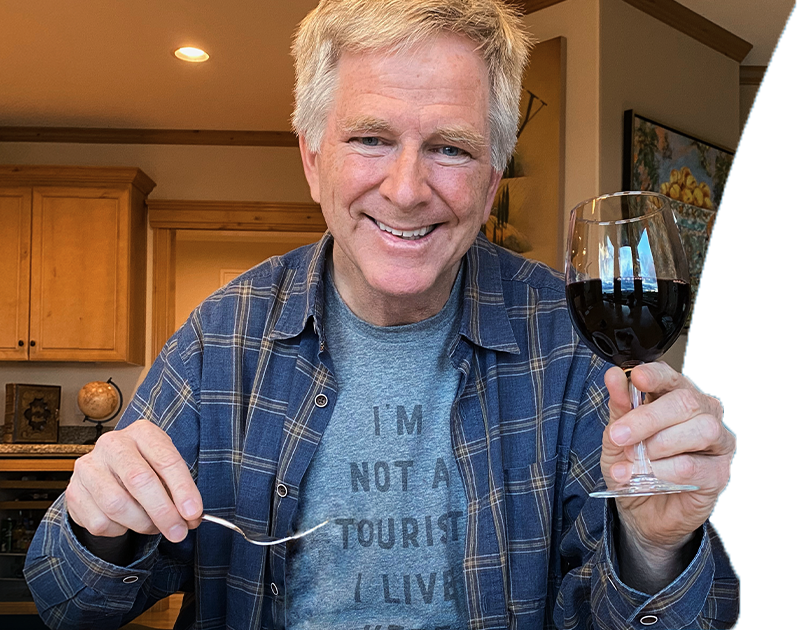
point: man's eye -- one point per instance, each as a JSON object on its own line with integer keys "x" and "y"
{"x": 368, "y": 141}
{"x": 452, "y": 152}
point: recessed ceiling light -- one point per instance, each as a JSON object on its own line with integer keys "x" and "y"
{"x": 188, "y": 53}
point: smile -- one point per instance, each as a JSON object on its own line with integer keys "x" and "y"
{"x": 409, "y": 235}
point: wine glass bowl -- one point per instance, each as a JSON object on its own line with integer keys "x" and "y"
{"x": 628, "y": 294}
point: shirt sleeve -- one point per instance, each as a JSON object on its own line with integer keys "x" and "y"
{"x": 74, "y": 589}
{"x": 592, "y": 596}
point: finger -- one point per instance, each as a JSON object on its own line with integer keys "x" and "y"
{"x": 709, "y": 473}
{"x": 103, "y": 491}
{"x": 84, "y": 511}
{"x": 159, "y": 450}
{"x": 703, "y": 433}
{"x": 658, "y": 378}
{"x": 137, "y": 476}
{"x": 670, "y": 409}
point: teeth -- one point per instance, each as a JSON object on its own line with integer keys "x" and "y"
{"x": 411, "y": 235}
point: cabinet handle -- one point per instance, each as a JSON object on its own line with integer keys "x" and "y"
{"x": 32, "y": 343}
{"x": 21, "y": 343}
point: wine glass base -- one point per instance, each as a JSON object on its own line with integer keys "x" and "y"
{"x": 642, "y": 486}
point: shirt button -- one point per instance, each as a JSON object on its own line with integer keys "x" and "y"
{"x": 130, "y": 579}
{"x": 274, "y": 589}
{"x": 282, "y": 490}
{"x": 321, "y": 400}
{"x": 648, "y": 620}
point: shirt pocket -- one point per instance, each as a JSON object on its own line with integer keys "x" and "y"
{"x": 528, "y": 493}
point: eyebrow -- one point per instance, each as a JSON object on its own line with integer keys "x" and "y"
{"x": 457, "y": 134}
{"x": 364, "y": 125}
{"x": 453, "y": 134}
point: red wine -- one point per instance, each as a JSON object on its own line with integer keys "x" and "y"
{"x": 631, "y": 322}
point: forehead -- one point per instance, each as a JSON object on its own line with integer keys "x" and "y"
{"x": 443, "y": 75}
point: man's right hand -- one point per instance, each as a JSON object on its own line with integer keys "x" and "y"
{"x": 134, "y": 479}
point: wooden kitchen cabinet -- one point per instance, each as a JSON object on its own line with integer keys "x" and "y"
{"x": 73, "y": 265}
{"x": 31, "y": 478}
{"x": 28, "y": 485}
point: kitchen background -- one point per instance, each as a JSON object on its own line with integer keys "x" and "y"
{"x": 109, "y": 65}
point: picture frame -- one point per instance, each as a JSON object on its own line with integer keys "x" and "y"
{"x": 690, "y": 171}
{"x": 32, "y": 414}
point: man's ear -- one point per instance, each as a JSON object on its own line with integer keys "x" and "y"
{"x": 495, "y": 180}
{"x": 310, "y": 164}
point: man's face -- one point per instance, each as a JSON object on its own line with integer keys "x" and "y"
{"x": 403, "y": 175}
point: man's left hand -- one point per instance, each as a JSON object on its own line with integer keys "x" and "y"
{"x": 687, "y": 444}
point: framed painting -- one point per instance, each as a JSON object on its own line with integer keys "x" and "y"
{"x": 690, "y": 171}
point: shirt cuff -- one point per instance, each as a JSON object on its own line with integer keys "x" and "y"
{"x": 674, "y": 606}
{"x": 102, "y": 584}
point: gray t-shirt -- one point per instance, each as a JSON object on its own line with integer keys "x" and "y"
{"x": 385, "y": 472}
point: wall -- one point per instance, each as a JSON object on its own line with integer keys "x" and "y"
{"x": 536, "y": 203}
{"x": 747, "y": 95}
{"x": 576, "y": 21}
{"x": 665, "y": 75}
{"x": 203, "y": 255}
{"x": 670, "y": 77}
{"x": 180, "y": 172}
{"x": 184, "y": 172}
{"x": 621, "y": 58}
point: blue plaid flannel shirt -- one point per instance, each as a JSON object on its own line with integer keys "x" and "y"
{"x": 245, "y": 389}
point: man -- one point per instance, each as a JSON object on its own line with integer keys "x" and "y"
{"x": 404, "y": 378}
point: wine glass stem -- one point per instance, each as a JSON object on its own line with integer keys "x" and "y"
{"x": 641, "y": 462}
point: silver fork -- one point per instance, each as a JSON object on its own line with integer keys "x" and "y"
{"x": 268, "y": 540}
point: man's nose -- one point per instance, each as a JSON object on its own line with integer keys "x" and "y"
{"x": 406, "y": 182}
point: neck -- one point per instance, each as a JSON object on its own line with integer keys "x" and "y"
{"x": 380, "y": 309}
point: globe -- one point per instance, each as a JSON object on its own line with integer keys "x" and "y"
{"x": 98, "y": 400}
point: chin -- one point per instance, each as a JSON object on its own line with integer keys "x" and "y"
{"x": 405, "y": 285}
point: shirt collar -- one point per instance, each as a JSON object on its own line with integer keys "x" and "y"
{"x": 484, "y": 318}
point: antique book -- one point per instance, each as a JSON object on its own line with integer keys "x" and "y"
{"x": 32, "y": 413}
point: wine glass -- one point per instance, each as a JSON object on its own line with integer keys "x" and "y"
{"x": 628, "y": 294}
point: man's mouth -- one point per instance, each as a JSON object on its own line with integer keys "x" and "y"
{"x": 409, "y": 235}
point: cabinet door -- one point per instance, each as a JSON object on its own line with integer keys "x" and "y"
{"x": 15, "y": 204}
{"x": 79, "y": 274}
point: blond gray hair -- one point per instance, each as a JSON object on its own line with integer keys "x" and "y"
{"x": 358, "y": 26}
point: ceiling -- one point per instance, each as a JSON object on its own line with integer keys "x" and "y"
{"x": 759, "y": 22}
{"x": 102, "y": 63}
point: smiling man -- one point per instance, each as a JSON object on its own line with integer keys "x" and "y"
{"x": 403, "y": 175}
{"x": 417, "y": 387}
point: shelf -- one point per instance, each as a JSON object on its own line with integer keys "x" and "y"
{"x": 34, "y": 485}
{"x": 18, "y": 554}
{"x": 45, "y": 450}
{"x": 9, "y": 464}
{"x": 18, "y": 608}
{"x": 25, "y": 505}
